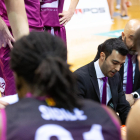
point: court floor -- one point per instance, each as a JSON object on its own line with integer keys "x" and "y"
{"x": 83, "y": 43}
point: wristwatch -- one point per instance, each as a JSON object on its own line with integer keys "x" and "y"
{"x": 135, "y": 95}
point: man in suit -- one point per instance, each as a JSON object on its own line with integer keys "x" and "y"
{"x": 100, "y": 80}
{"x": 129, "y": 72}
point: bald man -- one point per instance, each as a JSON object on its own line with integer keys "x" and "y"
{"x": 133, "y": 121}
{"x": 129, "y": 72}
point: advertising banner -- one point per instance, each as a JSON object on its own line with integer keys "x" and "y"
{"x": 89, "y": 13}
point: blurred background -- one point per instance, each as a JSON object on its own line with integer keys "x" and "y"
{"x": 92, "y": 24}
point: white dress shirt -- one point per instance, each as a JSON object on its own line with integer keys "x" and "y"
{"x": 125, "y": 71}
{"x": 100, "y": 75}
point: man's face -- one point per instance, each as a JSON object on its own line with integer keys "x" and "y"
{"x": 128, "y": 39}
{"x": 112, "y": 64}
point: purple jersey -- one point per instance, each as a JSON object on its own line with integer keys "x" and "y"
{"x": 31, "y": 119}
{"x": 35, "y": 23}
{"x": 32, "y": 10}
{"x": 50, "y": 10}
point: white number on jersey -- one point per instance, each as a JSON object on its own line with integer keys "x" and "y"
{"x": 46, "y": 131}
{"x": 95, "y": 133}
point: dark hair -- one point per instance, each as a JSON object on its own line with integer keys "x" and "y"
{"x": 40, "y": 59}
{"x": 137, "y": 39}
{"x": 114, "y": 44}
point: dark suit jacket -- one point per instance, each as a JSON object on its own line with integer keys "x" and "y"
{"x": 136, "y": 85}
{"x": 88, "y": 88}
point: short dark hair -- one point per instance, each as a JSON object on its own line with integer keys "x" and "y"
{"x": 137, "y": 40}
{"x": 114, "y": 44}
{"x": 40, "y": 59}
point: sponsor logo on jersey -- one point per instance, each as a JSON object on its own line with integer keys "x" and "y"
{"x": 50, "y": 4}
{"x": 60, "y": 114}
{"x": 2, "y": 85}
{"x": 90, "y": 10}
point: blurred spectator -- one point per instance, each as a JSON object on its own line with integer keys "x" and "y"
{"x": 111, "y": 7}
{"x": 124, "y": 14}
{"x": 118, "y": 2}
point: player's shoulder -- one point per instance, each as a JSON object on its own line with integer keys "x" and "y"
{"x": 95, "y": 110}
{"x": 22, "y": 103}
{"x": 92, "y": 105}
{"x": 136, "y": 106}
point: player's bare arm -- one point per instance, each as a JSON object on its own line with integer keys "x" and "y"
{"x": 67, "y": 15}
{"x": 133, "y": 122}
{"x": 17, "y": 17}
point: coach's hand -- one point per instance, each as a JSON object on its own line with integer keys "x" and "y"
{"x": 130, "y": 99}
{"x": 5, "y": 35}
{"x": 66, "y": 17}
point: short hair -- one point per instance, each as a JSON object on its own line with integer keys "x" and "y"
{"x": 137, "y": 40}
{"x": 40, "y": 59}
{"x": 114, "y": 44}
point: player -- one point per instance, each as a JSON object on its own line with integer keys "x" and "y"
{"x": 48, "y": 108}
{"x": 35, "y": 23}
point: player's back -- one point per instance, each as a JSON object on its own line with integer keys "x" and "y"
{"x": 32, "y": 119}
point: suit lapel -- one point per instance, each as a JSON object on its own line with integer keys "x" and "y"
{"x": 113, "y": 89}
{"x": 137, "y": 74}
{"x": 94, "y": 81}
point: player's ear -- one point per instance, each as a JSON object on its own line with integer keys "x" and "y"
{"x": 123, "y": 36}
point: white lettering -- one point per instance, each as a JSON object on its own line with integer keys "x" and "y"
{"x": 60, "y": 114}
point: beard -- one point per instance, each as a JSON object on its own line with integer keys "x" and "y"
{"x": 106, "y": 71}
{"x": 131, "y": 51}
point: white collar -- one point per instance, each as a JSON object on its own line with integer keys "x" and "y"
{"x": 99, "y": 73}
